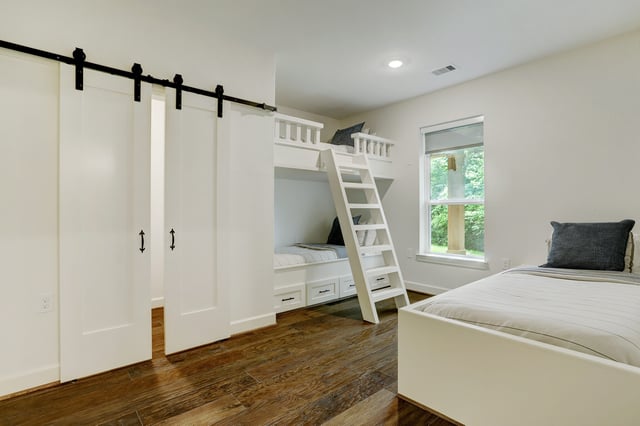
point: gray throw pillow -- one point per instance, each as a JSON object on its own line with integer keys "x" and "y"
{"x": 335, "y": 235}
{"x": 343, "y": 136}
{"x": 599, "y": 246}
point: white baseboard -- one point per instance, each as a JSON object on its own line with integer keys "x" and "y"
{"x": 425, "y": 288}
{"x": 157, "y": 302}
{"x": 29, "y": 379}
{"x": 248, "y": 324}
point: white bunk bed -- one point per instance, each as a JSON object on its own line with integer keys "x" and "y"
{"x": 476, "y": 375}
{"x": 297, "y": 146}
{"x": 297, "y": 149}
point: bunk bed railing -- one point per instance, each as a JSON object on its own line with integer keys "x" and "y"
{"x": 373, "y": 146}
{"x": 296, "y": 130}
{"x": 290, "y": 130}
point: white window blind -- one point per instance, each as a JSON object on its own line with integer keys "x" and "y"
{"x": 466, "y": 135}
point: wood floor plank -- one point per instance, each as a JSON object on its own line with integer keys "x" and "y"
{"x": 206, "y": 414}
{"x": 129, "y": 419}
{"x": 318, "y": 364}
{"x": 183, "y": 402}
{"x": 381, "y": 406}
{"x": 334, "y": 403}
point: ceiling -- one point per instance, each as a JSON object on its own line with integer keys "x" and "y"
{"x": 331, "y": 55}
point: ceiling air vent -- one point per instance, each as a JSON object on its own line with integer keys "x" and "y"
{"x": 443, "y": 70}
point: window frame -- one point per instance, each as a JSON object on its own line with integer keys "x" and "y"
{"x": 424, "y": 254}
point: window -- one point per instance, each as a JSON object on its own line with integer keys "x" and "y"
{"x": 453, "y": 191}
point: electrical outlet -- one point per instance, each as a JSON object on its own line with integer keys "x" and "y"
{"x": 506, "y": 263}
{"x": 410, "y": 253}
{"x": 45, "y": 302}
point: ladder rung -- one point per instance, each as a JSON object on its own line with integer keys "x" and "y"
{"x": 354, "y": 185}
{"x": 352, "y": 167}
{"x": 386, "y": 293}
{"x": 369, "y": 227}
{"x": 365, "y": 206}
{"x": 375, "y": 249}
{"x": 382, "y": 270}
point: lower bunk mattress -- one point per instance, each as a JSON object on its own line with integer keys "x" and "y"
{"x": 594, "y": 312}
{"x": 300, "y": 254}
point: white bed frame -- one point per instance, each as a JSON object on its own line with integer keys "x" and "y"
{"x": 478, "y": 376}
{"x": 297, "y": 147}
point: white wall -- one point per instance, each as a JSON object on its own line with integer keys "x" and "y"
{"x": 119, "y": 33}
{"x": 246, "y": 216}
{"x": 29, "y": 217}
{"x": 561, "y": 141}
{"x": 157, "y": 34}
{"x": 304, "y": 209}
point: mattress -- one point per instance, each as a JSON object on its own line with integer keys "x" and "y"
{"x": 300, "y": 254}
{"x": 594, "y": 312}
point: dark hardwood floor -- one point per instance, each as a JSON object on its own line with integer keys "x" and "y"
{"x": 319, "y": 365}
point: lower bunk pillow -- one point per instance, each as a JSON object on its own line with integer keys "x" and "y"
{"x": 593, "y": 312}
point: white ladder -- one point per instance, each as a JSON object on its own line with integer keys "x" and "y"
{"x": 344, "y": 194}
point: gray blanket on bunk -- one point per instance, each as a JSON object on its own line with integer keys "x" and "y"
{"x": 341, "y": 251}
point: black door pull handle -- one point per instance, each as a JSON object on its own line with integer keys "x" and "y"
{"x": 141, "y": 241}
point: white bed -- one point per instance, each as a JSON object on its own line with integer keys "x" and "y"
{"x": 581, "y": 369}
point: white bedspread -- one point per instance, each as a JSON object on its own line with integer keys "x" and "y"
{"x": 592, "y": 312}
{"x": 295, "y": 255}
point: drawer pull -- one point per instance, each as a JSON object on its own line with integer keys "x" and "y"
{"x": 288, "y": 298}
{"x": 380, "y": 279}
{"x": 324, "y": 291}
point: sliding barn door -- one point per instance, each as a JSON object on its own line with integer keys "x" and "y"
{"x": 196, "y": 309}
{"x": 105, "y": 308}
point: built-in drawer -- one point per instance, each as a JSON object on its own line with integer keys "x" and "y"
{"x": 323, "y": 291}
{"x": 380, "y": 282}
{"x": 289, "y": 297}
{"x": 347, "y": 286}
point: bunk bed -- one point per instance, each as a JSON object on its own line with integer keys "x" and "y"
{"x": 305, "y": 276}
{"x": 297, "y": 146}
{"x": 528, "y": 346}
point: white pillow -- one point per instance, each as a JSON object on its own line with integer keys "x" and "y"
{"x": 361, "y": 234}
{"x": 370, "y": 239}
{"x": 635, "y": 250}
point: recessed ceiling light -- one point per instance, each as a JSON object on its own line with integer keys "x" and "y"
{"x": 396, "y": 63}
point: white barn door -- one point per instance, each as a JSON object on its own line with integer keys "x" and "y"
{"x": 196, "y": 309}
{"x": 105, "y": 306}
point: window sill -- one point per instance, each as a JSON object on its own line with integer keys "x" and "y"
{"x": 451, "y": 260}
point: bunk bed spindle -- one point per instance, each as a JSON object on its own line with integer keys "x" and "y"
{"x": 299, "y": 133}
